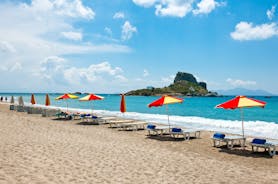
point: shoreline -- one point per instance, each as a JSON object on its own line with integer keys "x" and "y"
{"x": 37, "y": 149}
{"x": 194, "y": 122}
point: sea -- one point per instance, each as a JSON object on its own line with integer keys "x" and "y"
{"x": 195, "y": 112}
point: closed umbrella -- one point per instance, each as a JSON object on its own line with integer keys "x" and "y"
{"x": 123, "y": 105}
{"x": 165, "y": 100}
{"x": 33, "y": 101}
{"x": 12, "y": 100}
{"x": 66, "y": 97}
{"x": 241, "y": 102}
{"x": 47, "y": 100}
{"x": 20, "y": 101}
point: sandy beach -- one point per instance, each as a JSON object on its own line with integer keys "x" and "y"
{"x": 34, "y": 149}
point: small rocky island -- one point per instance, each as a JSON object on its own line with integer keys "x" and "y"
{"x": 185, "y": 84}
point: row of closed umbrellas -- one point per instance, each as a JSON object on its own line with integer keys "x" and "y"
{"x": 235, "y": 103}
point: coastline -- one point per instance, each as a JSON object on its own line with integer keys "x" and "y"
{"x": 37, "y": 149}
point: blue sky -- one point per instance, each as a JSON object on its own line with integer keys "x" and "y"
{"x": 104, "y": 46}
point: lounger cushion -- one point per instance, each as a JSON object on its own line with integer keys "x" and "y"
{"x": 151, "y": 127}
{"x": 219, "y": 136}
{"x": 258, "y": 141}
{"x": 176, "y": 130}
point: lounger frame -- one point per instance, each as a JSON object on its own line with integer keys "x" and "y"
{"x": 230, "y": 141}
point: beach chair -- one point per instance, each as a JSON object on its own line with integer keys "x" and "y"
{"x": 63, "y": 115}
{"x": 268, "y": 146}
{"x": 230, "y": 141}
{"x": 115, "y": 123}
{"x": 185, "y": 133}
{"x": 157, "y": 129}
{"x": 136, "y": 125}
{"x": 92, "y": 119}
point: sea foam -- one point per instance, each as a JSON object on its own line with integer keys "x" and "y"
{"x": 251, "y": 128}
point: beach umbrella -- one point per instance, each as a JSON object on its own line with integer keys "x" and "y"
{"x": 241, "y": 102}
{"x": 66, "y": 97}
{"x": 20, "y": 101}
{"x": 33, "y": 101}
{"x": 165, "y": 100}
{"x": 123, "y": 105}
{"x": 12, "y": 100}
{"x": 47, "y": 100}
{"x": 91, "y": 97}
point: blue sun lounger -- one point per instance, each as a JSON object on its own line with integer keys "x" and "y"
{"x": 268, "y": 146}
{"x": 157, "y": 129}
{"x": 230, "y": 141}
{"x": 185, "y": 133}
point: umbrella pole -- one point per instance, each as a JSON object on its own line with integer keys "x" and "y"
{"x": 242, "y": 124}
{"x": 67, "y": 106}
{"x": 168, "y": 116}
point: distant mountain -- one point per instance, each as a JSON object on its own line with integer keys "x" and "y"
{"x": 243, "y": 91}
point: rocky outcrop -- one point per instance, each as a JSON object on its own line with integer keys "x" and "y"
{"x": 184, "y": 84}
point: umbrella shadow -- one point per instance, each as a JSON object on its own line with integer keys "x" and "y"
{"x": 164, "y": 137}
{"x": 244, "y": 152}
{"x": 87, "y": 123}
{"x": 62, "y": 119}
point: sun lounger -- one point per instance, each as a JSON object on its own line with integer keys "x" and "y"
{"x": 157, "y": 129}
{"x": 115, "y": 123}
{"x": 230, "y": 141}
{"x": 136, "y": 125}
{"x": 94, "y": 119}
{"x": 185, "y": 133}
{"x": 268, "y": 146}
{"x": 63, "y": 115}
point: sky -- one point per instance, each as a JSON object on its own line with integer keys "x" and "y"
{"x": 104, "y": 46}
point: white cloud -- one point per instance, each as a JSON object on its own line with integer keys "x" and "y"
{"x": 145, "y": 3}
{"x": 270, "y": 13}
{"x": 15, "y": 67}
{"x": 174, "y": 8}
{"x": 179, "y": 8}
{"x": 240, "y": 83}
{"x": 145, "y": 73}
{"x": 31, "y": 32}
{"x": 206, "y": 6}
{"x": 119, "y": 15}
{"x": 76, "y": 36}
{"x": 6, "y": 47}
{"x": 53, "y": 67}
{"x": 108, "y": 31}
{"x": 247, "y": 31}
{"x": 128, "y": 30}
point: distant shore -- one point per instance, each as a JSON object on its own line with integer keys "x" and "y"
{"x": 42, "y": 150}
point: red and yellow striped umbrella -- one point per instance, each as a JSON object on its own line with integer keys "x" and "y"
{"x": 165, "y": 100}
{"x": 241, "y": 102}
{"x": 66, "y": 96}
{"x": 91, "y": 97}
{"x": 33, "y": 101}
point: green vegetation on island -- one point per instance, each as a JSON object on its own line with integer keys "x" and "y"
{"x": 184, "y": 84}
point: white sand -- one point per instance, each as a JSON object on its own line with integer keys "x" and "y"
{"x": 41, "y": 150}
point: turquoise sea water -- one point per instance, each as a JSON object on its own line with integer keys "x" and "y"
{"x": 194, "y": 112}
